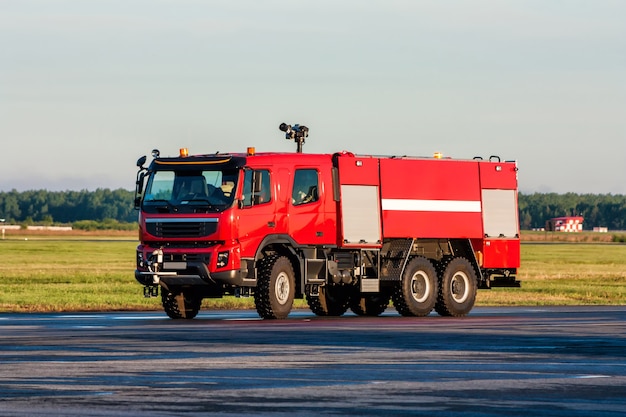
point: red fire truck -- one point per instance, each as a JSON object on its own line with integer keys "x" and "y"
{"x": 345, "y": 231}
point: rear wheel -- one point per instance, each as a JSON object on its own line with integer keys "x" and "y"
{"x": 458, "y": 288}
{"x": 276, "y": 287}
{"x": 180, "y": 305}
{"x": 417, "y": 293}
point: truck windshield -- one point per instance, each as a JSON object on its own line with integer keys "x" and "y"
{"x": 190, "y": 191}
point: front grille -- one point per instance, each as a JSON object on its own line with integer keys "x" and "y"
{"x": 187, "y": 257}
{"x": 173, "y": 228}
{"x": 185, "y": 244}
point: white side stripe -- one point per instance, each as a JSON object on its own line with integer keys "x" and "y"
{"x": 459, "y": 206}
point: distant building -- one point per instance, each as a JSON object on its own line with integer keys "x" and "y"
{"x": 565, "y": 224}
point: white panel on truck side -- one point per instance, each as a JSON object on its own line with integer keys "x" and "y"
{"x": 360, "y": 211}
{"x": 500, "y": 213}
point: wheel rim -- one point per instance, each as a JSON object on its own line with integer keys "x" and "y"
{"x": 282, "y": 288}
{"x": 460, "y": 286}
{"x": 420, "y": 286}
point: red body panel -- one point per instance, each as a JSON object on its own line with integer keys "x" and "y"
{"x": 429, "y": 179}
{"x": 499, "y": 253}
{"x": 498, "y": 175}
{"x": 358, "y": 170}
{"x": 430, "y": 198}
{"x": 431, "y": 224}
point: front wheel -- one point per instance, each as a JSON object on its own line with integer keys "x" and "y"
{"x": 457, "y": 293}
{"x": 181, "y": 305}
{"x": 276, "y": 287}
{"x": 369, "y": 304}
{"x": 333, "y": 300}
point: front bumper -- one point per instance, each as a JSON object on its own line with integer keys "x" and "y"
{"x": 194, "y": 274}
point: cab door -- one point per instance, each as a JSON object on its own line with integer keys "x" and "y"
{"x": 308, "y": 223}
{"x": 257, "y": 216}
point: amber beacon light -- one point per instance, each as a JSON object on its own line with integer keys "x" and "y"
{"x": 184, "y": 152}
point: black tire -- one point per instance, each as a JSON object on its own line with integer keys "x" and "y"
{"x": 333, "y": 300}
{"x": 276, "y": 287}
{"x": 371, "y": 305}
{"x": 171, "y": 305}
{"x": 457, "y": 292}
{"x": 416, "y": 294}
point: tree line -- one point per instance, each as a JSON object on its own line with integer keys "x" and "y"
{"x": 67, "y": 207}
{"x": 112, "y": 207}
{"x": 598, "y": 210}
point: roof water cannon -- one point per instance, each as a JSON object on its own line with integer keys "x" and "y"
{"x": 296, "y": 133}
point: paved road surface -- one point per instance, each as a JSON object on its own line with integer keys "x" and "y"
{"x": 558, "y": 361}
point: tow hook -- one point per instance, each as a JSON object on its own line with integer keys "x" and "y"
{"x": 154, "y": 264}
{"x": 151, "y": 291}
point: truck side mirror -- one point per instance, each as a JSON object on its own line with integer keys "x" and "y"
{"x": 141, "y": 161}
{"x": 139, "y": 185}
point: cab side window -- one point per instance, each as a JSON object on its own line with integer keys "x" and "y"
{"x": 256, "y": 187}
{"x": 305, "y": 187}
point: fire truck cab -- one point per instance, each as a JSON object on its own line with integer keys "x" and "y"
{"x": 345, "y": 231}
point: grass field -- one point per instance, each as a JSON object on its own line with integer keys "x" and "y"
{"x": 95, "y": 273}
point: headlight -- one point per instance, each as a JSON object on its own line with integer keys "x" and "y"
{"x": 222, "y": 259}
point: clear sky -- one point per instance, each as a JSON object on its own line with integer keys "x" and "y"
{"x": 88, "y": 86}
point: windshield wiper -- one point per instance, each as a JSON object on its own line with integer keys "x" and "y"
{"x": 168, "y": 205}
{"x": 195, "y": 199}
{"x": 208, "y": 200}
{"x": 210, "y": 205}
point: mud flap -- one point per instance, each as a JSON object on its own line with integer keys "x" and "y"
{"x": 180, "y": 300}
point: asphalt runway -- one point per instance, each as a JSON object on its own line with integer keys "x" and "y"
{"x": 547, "y": 361}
